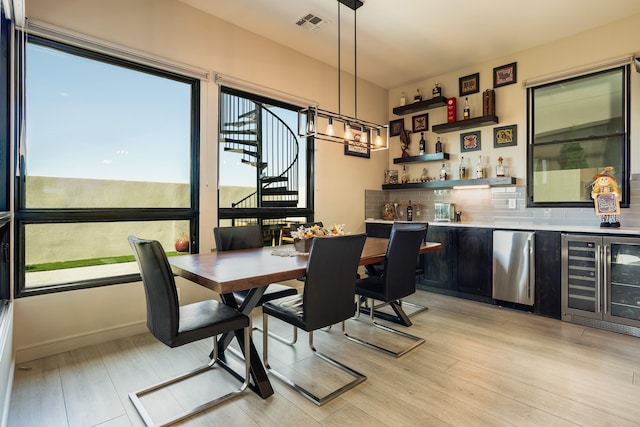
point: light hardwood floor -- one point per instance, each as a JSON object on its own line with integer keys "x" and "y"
{"x": 481, "y": 365}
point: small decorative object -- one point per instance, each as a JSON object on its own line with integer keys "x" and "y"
{"x": 424, "y": 177}
{"x": 302, "y": 236}
{"x": 500, "y": 167}
{"x": 387, "y": 211}
{"x": 438, "y": 146}
{"x": 420, "y": 122}
{"x": 466, "y": 114}
{"x": 443, "y": 172}
{"x": 396, "y": 127}
{"x": 469, "y": 84}
{"x": 437, "y": 90}
{"x": 403, "y": 99}
{"x": 505, "y": 136}
{"x": 418, "y": 96}
{"x": 423, "y": 144}
{"x": 488, "y": 102}
{"x": 479, "y": 169}
{"x": 606, "y": 197}
{"x": 182, "y": 243}
{"x": 470, "y": 141}
{"x": 505, "y": 75}
{"x": 405, "y": 140}
{"x": 452, "y": 114}
{"x": 393, "y": 176}
{"x": 405, "y": 177}
{"x": 410, "y": 212}
{"x": 462, "y": 169}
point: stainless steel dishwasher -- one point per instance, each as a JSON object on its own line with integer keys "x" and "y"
{"x": 513, "y": 266}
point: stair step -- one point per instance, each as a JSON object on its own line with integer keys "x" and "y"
{"x": 241, "y": 151}
{"x": 238, "y": 132}
{"x": 279, "y": 203}
{"x": 280, "y": 191}
{"x": 266, "y": 179}
{"x": 251, "y": 114}
{"x": 260, "y": 165}
{"x": 248, "y": 142}
{"x": 240, "y": 123}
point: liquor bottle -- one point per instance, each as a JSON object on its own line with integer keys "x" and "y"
{"x": 423, "y": 143}
{"x": 466, "y": 114}
{"x": 418, "y": 96}
{"x": 462, "y": 169}
{"x": 438, "y": 146}
{"x": 500, "y": 167}
{"x": 437, "y": 90}
{"x": 479, "y": 171}
{"x": 443, "y": 172}
{"x": 403, "y": 99}
{"x": 405, "y": 177}
{"x": 409, "y": 212}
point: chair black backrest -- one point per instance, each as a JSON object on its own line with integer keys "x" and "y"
{"x": 400, "y": 262}
{"x": 160, "y": 291}
{"x": 329, "y": 289}
{"x": 233, "y": 238}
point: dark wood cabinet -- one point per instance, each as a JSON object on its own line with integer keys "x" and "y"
{"x": 439, "y": 266}
{"x": 475, "y": 266}
{"x": 548, "y": 274}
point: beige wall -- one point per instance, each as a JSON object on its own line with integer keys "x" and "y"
{"x": 51, "y": 323}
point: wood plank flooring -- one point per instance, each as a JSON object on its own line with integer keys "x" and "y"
{"x": 481, "y": 365}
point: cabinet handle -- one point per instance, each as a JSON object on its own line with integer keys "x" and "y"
{"x": 605, "y": 277}
{"x": 598, "y": 284}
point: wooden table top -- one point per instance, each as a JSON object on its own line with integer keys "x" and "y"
{"x": 231, "y": 271}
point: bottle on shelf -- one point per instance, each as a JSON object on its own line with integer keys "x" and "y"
{"x": 418, "y": 96}
{"x": 423, "y": 143}
{"x": 403, "y": 99}
{"x": 500, "y": 167}
{"x": 443, "y": 172}
{"x": 479, "y": 169}
{"x": 438, "y": 146}
{"x": 410, "y": 212}
{"x": 466, "y": 113}
{"x": 462, "y": 169}
{"x": 437, "y": 90}
{"x": 405, "y": 177}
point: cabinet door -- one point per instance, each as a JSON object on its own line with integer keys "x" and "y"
{"x": 581, "y": 276}
{"x": 439, "y": 265}
{"x": 548, "y": 274}
{"x": 474, "y": 260}
{"x": 623, "y": 279}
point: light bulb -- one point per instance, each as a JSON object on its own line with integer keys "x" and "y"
{"x": 330, "y": 127}
{"x": 347, "y": 132}
{"x": 378, "y": 138}
{"x": 363, "y": 135}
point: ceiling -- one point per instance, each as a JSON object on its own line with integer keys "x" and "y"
{"x": 403, "y": 41}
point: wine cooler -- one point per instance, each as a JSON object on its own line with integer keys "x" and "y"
{"x": 601, "y": 282}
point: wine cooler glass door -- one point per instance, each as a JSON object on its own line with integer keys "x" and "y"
{"x": 623, "y": 278}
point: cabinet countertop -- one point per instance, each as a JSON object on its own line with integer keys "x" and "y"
{"x": 524, "y": 226}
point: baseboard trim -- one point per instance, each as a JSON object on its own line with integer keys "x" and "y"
{"x": 49, "y": 348}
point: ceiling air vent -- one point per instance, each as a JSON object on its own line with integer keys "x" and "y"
{"x": 310, "y": 22}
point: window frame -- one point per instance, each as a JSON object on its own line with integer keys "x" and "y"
{"x": 25, "y": 216}
{"x": 625, "y": 173}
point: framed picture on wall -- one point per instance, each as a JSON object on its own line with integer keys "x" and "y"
{"x": 505, "y": 75}
{"x": 505, "y": 136}
{"x": 356, "y": 147}
{"x": 469, "y": 84}
{"x": 470, "y": 141}
{"x": 420, "y": 122}
{"x": 396, "y": 127}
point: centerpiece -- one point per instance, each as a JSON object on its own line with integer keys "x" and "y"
{"x": 303, "y": 236}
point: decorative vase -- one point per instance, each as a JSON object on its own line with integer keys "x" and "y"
{"x": 182, "y": 245}
{"x": 302, "y": 245}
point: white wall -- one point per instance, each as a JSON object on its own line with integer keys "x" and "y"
{"x": 51, "y": 323}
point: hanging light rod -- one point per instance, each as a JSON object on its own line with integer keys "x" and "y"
{"x": 352, "y": 4}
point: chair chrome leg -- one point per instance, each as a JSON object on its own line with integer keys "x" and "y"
{"x": 318, "y": 400}
{"x": 144, "y": 414}
{"x": 416, "y": 340}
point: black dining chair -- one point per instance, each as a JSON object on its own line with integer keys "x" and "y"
{"x": 398, "y": 281}
{"x": 327, "y": 299}
{"x": 378, "y": 269}
{"x": 176, "y": 325}
{"x": 249, "y": 237}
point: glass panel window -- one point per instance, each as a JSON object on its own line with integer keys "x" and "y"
{"x": 578, "y": 127}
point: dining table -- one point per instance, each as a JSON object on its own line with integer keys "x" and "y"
{"x": 226, "y": 272}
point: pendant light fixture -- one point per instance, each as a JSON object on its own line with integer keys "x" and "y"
{"x": 321, "y": 124}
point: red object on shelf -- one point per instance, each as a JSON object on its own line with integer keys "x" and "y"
{"x": 451, "y": 110}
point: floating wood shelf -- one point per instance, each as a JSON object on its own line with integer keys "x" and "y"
{"x": 465, "y": 124}
{"x": 431, "y": 157}
{"x": 426, "y": 104}
{"x": 492, "y": 182}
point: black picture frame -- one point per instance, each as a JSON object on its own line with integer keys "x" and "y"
{"x": 505, "y": 75}
{"x": 469, "y": 84}
{"x": 505, "y": 136}
{"x": 420, "y": 123}
{"x": 396, "y": 127}
{"x": 470, "y": 141}
{"x": 355, "y": 147}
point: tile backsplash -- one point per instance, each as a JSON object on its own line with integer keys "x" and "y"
{"x": 491, "y": 206}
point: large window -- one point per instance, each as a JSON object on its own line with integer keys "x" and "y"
{"x": 577, "y": 127}
{"x": 111, "y": 150}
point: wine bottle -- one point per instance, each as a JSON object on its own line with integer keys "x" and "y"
{"x": 438, "y": 146}
{"x": 423, "y": 143}
{"x": 437, "y": 90}
{"x": 466, "y": 114}
{"x": 462, "y": 169}
{"x": 409, "y": 212}
{"x": 443, "y": 172}
{"x": 418, "y": 96}
{"x": 403, "y": 99}
{"x": 479, "y": 170}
